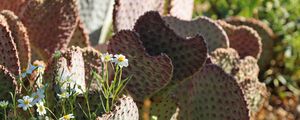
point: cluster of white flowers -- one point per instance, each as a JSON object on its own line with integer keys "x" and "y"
{"x": 118, "y": 59}
{"x": 36, "y": 98}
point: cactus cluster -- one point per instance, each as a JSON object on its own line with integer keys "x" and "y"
{"x": 188, "y": 69}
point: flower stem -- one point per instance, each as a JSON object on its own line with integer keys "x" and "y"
{"x": 5, "y": 114}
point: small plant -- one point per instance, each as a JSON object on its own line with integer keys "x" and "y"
{"x": 111, "y": 90}
{"x": 33, "y": 101}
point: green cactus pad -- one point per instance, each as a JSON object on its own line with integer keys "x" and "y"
{"x": 8, "y": 83}
{"x": 182, "y": 9}
{"x": 227, "y": 59}
{"x": 124, "y": 109}
{"x": 8, "y": 50}
{"x": 126, "y": 12}
{"x": 50, "y": 24}
{"x": 255, "y": 92}
{"x": 80, "y": 37}
{"x": 13, "y": 5}
{"x": 245, "y": 71}
{"x": 164, "y": 106}
{"x": 187, "y": 55}
{"x": 213, "y": 33}
{"x": 239, "y": 36}
{"x": 248, "y": 68}
{"x": 19, "y": 34}
{"x": 211, "y": 94}
{"x": 266, "y": 34}
{"x": 92, "y": 63}
{"x": 149, "y": 73}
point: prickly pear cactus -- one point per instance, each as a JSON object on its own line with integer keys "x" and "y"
{"x": 13, "y": 5}
{"x": 20, "y": 37}
{"x": 239, "y": 36}
{"x": 92, "y": 63}
{"x": 266, "y": 34}
{"x": 246, "y": 72}
{"x": 187, "y": 55}
{"x": 124, "y": 109}
{"x": 208, "y": 95}
{"x": 64, "y": 66}
{"x": 149, "y": 73}
{"x": 227, "y": 59}
{"x": 8, "y": 50}
{"x": 80, "y": 37}
{"x": 50, "y": 24}
{"x": 8, "y": 83}
{"x": 212, "y": 32}
{"x": 164, "y": 105}
{"x": 126, "y": 12}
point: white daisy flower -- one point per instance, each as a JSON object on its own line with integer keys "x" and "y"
{"x": 120, "y": 60}
{"x": 25, "y": 103}
{"x": 67, "y": 117}
{"x": 3, "y": 104}
{"x": 106, "y": 57}
{"x": 38, "y": 96}
{"x": 41, "y": 108}
{"x": 63, "y": 95}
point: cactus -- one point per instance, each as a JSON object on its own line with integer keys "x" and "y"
{"x": 68, "y": 65}
{"x": 14, "y": 5}
{"x": 92, "y": 63}
{"x": 213, "y": 94}
{"x": 243, "y": 35}
{"x": 187, "y": 55}
{"x": 8, "y": 50}
{"x": 124, "y": 109}
{"x": 212, "y": 32}
{"x": 80, "y": 37}
{"x": 227, "y": 59}
{"x": 245, "y": 71}
{"x": 50, "y": 24}
{"x": 164, "y": 105}
{"x": 208, "y": 94}
{"x": 8, "y": 83}
{"x": 156, "y": 70}
{"x": 126, "y": 12}
{"x": 266, "y": 34}
{"x": 20, "y": 37}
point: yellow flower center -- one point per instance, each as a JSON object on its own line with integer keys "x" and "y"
{"x": 41, "y": 108}
{"x": 26, "y": 102}
{"x": 67, "y": 117}
{"x": 121, "y": 58}
{"x": 107, "y": 58}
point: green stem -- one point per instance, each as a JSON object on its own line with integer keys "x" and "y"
{"x": 5, "y": 114}
{"x": 88, "y": 105}
{"x": 51, "y": 113}
{"x": 107, "y": 105}
{"x": 30, "y": 113}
